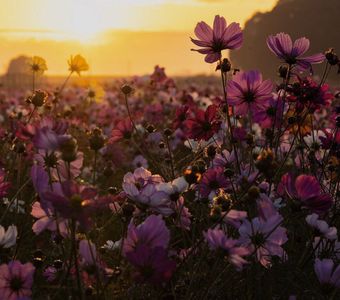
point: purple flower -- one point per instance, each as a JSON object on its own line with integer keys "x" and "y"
{"x": 306, "y": 189}
{"x": 326, "y": 273}
{"x": 153, "y": 265}
{"x": 220, "y": 37}
{"x": 151, "y": 233}
{"x": 217, "y": 239}
{"x": 264, "y": 238}
{"x": 16, "y": 280}
{"x": 282, "y": 46}
{"x": 212, "y": 180}
{"x": 72, "y": 202}
{"x": 247, "y": 91}
{"x": 48, "y": 139}
{"x": 143, "y": 187}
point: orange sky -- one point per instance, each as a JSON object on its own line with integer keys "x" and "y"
{"x": 123, "y": 37}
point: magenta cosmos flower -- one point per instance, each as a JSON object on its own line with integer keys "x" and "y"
{"x": 152, "y": 265}
{"x": 306, "y": 189}
{"x": 282, "y": 46}
{"x": 151, "y": 233}
{"x": 16, "y": 280}
{"x": 247, "y": 91}
{"x": 220, "y": 37}
{"x": 213, "y": 180}
{"x": 204, "y": 124}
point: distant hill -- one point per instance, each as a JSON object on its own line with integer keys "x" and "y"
{"x": 318, "y": 20}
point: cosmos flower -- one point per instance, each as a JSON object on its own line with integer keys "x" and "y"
{"x": 217, "y": 239}
{"x": 143, "y": 187}
{"x": 307, "y": 190}
{"x": 212, "y": 180}
{"x": 282, "y": 46}
{"x": 152, "y": 265}
{"x": 264, "y": 238}
{"x": 306, "y": 93}
{"x": 220, "y": 37}
{"x": 37, "y": 65}
{"x": 77, "y": 64}
{"x": 204, "y": 124}
{"x": 72, "y": 201}
{"x": 322, "y": 227}
{"x": 123, "y": 130}
{"x": 327, "y": 273}
{"x": 16, "y": 280}
{"x": 247, "y": 91}
{"x": 151, "y": 233}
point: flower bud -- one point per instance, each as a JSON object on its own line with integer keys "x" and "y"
{"x": 39, "y": 98}
{"x": 96, "y": 139}
{"x": 126, "y": 89}
{"x": 69, "y": 150}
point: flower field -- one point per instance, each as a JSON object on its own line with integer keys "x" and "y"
{"x": 158, "y": 188}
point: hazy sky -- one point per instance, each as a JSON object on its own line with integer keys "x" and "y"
{"x": 117, "y": 37}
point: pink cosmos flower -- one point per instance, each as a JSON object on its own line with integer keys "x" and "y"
{"x": 264, "y": 238}
{"x": 47, "y": 220}
{"x": 204, "y": 124}
{"x": 217, "y": 239}
{"x": 306, "y": 189}
{"x": 282, "y": 46}
{"x": 151, "y": 233}
{"x": 220, "y": 37}
{"x": 322, "y": 227}
{"x": 16, "y": 280}
{"x": 327, "y": 273}
{"x": 212, "y": 180}
{"x": 152, "y": 265}
{"x": 247, "y": 91}
{"x": 123, "y": 130}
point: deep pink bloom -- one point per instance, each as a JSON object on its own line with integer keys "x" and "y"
{"x": 247, "y": 91}
{"x": 282, "y": 46}
{"x": 152, "y": 264}
{"x": 151, "y": 233}
{"x": 306, "y": 189}
{"x": 327, "y": 273}
{"x": 72, "y": 201}
{"x": 220, "y": 37}
{"x": 204, "y": 124}
{"x": 212, "y": 180}
{"x": 16, "y": 280}
{"x": 264, "y": 238}
{"x": 217, "y": 239}
{"x": 122, "y": 130}
{"x": 306, "y": 93}
{"x": 180, "y": 116}
{"x": 273, "y": 113}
